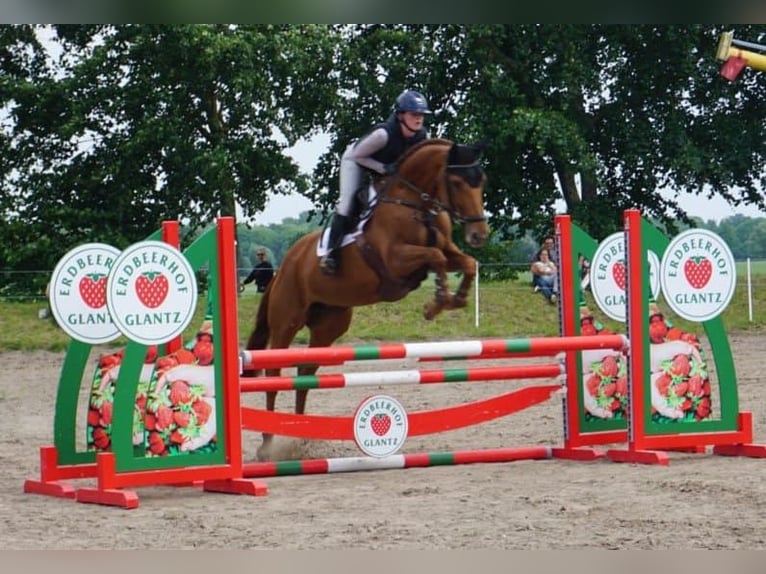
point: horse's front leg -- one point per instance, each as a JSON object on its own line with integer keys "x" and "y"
{"x": 459, "y": 261}
{"x": 442, "y": 298}
{"x": 408, "y": 258}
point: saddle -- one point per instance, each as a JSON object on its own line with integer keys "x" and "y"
{"x": 391, "y": 288}
{"x": 365, "y": 200}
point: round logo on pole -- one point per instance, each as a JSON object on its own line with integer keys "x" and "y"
{"x": 380, "y": 426}
{"x": 609, "y": 276}
{"x": 698, "y": 275}
{"x": 152, "y": 292}
{"x": 77, "y": 293}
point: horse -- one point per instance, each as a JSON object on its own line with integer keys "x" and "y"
{"x": 408, "y": 234}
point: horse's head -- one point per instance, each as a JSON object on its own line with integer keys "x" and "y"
{"x": 464, "y": 190}
{"x": 448, "y": 177}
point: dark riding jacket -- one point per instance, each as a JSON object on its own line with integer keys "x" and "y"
{"x": 397, "y": 144}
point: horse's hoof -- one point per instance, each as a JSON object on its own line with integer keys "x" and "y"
{"x": 263, "y": 453}
{"x": 459, "y": 302}
{"x": 430, "y": 311}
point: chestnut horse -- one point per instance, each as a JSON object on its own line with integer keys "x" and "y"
{"x": 408, "y": 234}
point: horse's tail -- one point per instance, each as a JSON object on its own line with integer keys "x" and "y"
{"x": 259, "y": 338}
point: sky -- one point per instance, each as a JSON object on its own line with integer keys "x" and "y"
{"x": 306, "y": 154}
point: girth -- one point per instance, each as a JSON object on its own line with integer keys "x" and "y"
{"x": 393, "y": 288}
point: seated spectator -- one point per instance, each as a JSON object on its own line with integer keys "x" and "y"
{"x": 549, "y": 244}
{"x": 545, "y": 276}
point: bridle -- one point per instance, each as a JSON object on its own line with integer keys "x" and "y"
{"x": 429, "y": 203}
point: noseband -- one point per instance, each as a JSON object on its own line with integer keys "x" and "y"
{"x": 429, "y": 202}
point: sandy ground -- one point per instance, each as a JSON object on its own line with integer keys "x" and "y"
{"x": 698, "y": 501}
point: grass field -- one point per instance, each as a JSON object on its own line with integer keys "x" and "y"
{"x": 505, "y": 309}
{"x": 756, "y": 267}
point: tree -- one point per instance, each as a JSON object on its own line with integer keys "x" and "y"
{"x": 600, "y": 117}
{"x": 134, "y": 124}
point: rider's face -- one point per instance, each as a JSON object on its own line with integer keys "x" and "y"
{"x": 413, "y": 121}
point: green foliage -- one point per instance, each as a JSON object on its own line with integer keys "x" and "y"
{"x": 135, "y": 124}
{"x": 123, "y": 126}
{"x": 507, "y": 308}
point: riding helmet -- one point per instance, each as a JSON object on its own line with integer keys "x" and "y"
{"x": 412, "y": 101}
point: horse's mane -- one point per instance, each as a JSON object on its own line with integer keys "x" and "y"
{"x": 420, "y": 145}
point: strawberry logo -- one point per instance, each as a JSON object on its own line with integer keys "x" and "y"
{"x": 380, "y": 423}
{"x": 93, "y": 290}
{"x": 698, "y": 271}
{"x": 152, "y": 288}
{"x": 619, "y": 274}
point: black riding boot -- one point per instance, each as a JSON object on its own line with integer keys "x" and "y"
{"x": 329, "y": 262}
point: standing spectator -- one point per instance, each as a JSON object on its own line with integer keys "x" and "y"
{"x": 261, "y": 273}
{"x": 545, "y": 276}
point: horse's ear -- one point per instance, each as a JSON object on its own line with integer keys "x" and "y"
{"x": 465, "y": 154}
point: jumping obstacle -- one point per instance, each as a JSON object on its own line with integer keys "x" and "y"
{"x": 225, "y": 470}
{"x": 219, "y": 470}
{"x": 647, "y": 441}
{"x": 395, "y": 461}
{"x": 125, "y": 466}
{"x": 420, "y": 423}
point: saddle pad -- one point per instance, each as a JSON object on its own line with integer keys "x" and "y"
{"x": 351, "y": 236}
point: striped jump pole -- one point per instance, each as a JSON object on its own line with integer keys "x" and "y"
{"x": 406, "y": 377}
{"x": 469, "y": 349}
{"x": 396, "y": 461}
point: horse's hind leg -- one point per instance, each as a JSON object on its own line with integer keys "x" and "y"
{"x": 326, "y": 325}
{"x": 281, "y": 337}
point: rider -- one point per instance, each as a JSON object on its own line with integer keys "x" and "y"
{"x": 377, "y": 151}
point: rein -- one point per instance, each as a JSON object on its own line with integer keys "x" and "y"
{"x": 429, "y": 203}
